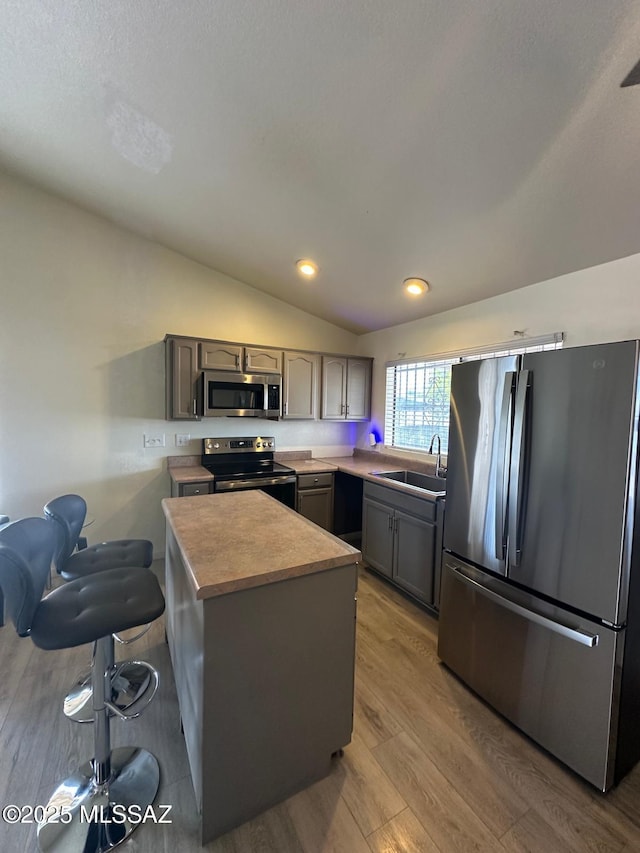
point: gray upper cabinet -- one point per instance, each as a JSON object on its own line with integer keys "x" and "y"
{"x": 358, "y": 389}
{"x": 313, "y": 384}
{"x": 300, "y": 386}
{"x": 262, "y": 360}
{"x": 346, "y": 388}
{"x": 334, "y": 387}
{"x": 182, "y": 379}
{"x": 220, "y": 355}
{"x": 215, "y": 355}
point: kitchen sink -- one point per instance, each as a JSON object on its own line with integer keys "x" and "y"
{"x": 415, "y": 479}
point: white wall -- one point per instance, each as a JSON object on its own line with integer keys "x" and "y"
{"x": 591, "y": 306}
{"x": 84, "y": 310}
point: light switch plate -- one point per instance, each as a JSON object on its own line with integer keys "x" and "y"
{"x": 154, "y": 440}
{"x": 182, "y": 439}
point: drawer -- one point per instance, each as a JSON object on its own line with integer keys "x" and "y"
{"x": 314, "y": 481}
{"x": 188, "y": 490}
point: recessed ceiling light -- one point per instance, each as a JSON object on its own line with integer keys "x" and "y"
{"x": 307, "y": 267}
{"x": 415, "y": 286}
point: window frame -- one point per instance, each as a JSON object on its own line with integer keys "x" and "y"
{"x": 397, "y": 378}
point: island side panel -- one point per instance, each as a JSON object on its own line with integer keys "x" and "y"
{"x": 185, "y": 635}
{"x": 278, "y": 694}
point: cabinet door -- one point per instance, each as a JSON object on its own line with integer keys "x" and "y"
{"x": 300, "y": 381}
{"x": 377, "y": 536}
{"x": 220, "y": 356}
{"x": 317, "y": 506}
{"x": 334, "y": 387}
{"x": 358, "y": 389}
{"x": 262, "y": 360}
{"x": 182, "y": 379}
{"x": 413, "y": 556}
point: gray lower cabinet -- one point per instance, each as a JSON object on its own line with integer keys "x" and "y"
{"x": 399, "y": 534}
{"x": 264, "y": 678}
{"x": 315, "y": 498}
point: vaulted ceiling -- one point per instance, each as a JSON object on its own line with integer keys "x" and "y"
{"x": 483, "y": 145}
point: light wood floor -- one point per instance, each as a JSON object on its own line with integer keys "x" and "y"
{"x": 430, "y": 768}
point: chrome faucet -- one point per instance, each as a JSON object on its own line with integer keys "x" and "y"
{"x": 438, "y": 455}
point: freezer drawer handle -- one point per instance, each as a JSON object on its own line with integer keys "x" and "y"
{"x": 575, "y": 634}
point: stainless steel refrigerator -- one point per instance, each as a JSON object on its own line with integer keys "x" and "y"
{"x": 540, "y": 600}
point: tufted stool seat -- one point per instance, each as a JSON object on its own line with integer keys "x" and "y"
{"x": 86, "y": 610}
{"x": 91, "y": 607}
{"x": 68, "y": 514}
{"x": 107, "y": 555}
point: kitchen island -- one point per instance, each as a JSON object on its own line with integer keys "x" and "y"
{"x": 261, "y": 629}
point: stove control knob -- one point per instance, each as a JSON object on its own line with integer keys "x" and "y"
{"x": 216, "y": 446}
{"x": 270, "y": 444}
{"x": 258, "y": 445}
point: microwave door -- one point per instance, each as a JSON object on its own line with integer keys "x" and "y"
{"x": 240, "y": 395}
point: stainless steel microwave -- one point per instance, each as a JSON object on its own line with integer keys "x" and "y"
{"x": 241, "y": 394}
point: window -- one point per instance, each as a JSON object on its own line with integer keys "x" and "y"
{"x": 417, "y": 399}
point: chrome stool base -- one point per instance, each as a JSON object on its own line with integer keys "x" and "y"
{"x": 129, "y": 680}
{"x": 102, "y": 816}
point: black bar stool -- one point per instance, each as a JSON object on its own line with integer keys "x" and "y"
{"x": 130, "y": 678}
{"x": 87, "y": 610}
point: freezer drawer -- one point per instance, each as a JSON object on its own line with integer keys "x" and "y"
{"x": 548, "y": 671}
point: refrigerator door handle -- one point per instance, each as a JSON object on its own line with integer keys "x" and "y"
{"x": 503, "y": 430}
{"x": 576, "y": 634}
{"x": 516, "y": 506}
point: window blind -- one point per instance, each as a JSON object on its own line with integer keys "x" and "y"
{"x": 417, "y": 391}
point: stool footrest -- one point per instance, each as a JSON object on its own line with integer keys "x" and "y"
{"x": 124, "y": 641}
{"x": 129, "y": 681}
{"x": 132, "y": 709}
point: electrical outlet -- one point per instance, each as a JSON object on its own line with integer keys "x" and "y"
{"x": 154, "y": 440}
{"x": 182, "y": 439}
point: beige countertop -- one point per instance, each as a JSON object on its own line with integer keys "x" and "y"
{"x": 189, "y": 474}
{"x": 309, "y": 466}
{"x": 364, "y": 466}
{"x": 237, "y": 540}
{"x": 361, "y": 465}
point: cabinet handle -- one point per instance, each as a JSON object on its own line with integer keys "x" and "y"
{"x": 286, "y": 406}
{"x": 347, "y": 408}
{"x": 194, "y": 406}
{"x": 315, "y": 479}
{"x": 390, "y": 522}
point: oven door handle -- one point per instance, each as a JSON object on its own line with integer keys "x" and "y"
{"x": 229, "y": 485}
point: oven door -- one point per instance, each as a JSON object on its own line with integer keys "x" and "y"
{"x": 281, "y": 488}
{"x": 240, "y": 395}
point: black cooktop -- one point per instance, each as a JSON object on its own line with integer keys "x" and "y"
{"x": 230, "y": 466}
